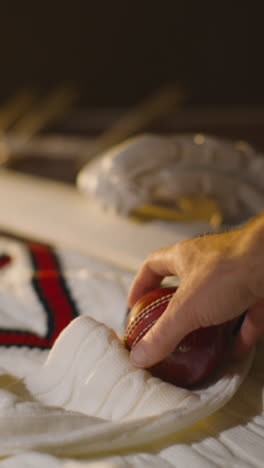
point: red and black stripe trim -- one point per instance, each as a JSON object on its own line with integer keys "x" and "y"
{"x": 4, "y": 260}
{"x": 52, "y": 290}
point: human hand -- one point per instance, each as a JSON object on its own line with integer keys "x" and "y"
{"x": 221, "y": 277}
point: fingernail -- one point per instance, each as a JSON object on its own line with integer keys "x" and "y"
{"x": 138, "y": 356}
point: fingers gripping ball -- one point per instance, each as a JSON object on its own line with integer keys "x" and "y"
{"x": 194, "y": 358}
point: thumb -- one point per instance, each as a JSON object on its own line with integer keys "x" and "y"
{"x": 166, "y": 333}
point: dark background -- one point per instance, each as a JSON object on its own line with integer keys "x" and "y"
{"x": 117, "y": 52}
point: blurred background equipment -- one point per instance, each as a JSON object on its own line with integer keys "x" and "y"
{"x": 77, "y": 79}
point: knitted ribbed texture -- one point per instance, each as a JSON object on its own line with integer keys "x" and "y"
{"x": 83, "y": 398}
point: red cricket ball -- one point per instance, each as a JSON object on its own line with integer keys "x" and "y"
{"x": 194, "y": 358}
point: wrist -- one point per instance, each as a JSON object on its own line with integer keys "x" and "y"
{"x": 251, "y": 247}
